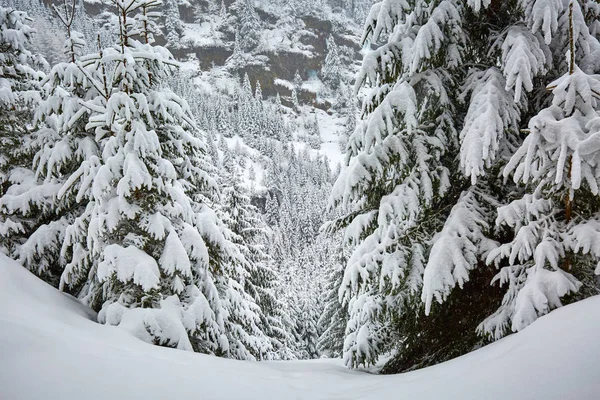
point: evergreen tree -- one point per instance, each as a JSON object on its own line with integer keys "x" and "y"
{"x": 556, "y": 224}
{"x": 333, "y": 320}
{"x": 174, "y": 28}
{"x": 309, "y": 335}
{"x": 271, "y": 210}
{"x": 19, "y": 85}
{"x": 296, "y": 89}
{"x": 250, "y": 234}
{"x": 420, "y": 217}
{"x": 130, "y": 192}
{"x": 249, "y": 25}
{"x": 332, "y": 69}
{"x": 247, "y": 86}
{"x": 298, "y": 80}
{"x": 314, "y": 139}
{"x": 223, "y": 11}
{"x": 19, "y": 95}
{"x": 258, "y": 96}
{"x": 237, "y": 46}
{"x": 34, "y": 210}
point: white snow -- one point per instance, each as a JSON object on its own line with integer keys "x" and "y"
{"x": 286, "y": 84}
{"x": 49, "y": 349}
{"x": 129, "y": 263}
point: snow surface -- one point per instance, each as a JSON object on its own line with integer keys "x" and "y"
{"x": 51, "y": 349}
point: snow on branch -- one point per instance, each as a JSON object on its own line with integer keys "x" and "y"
{"x": 383, "y": 18}
{"x": 456, "y": 250}
{"x": 491, "y": 112}
{"x": 129, "y": 264}
{"x": 522, "y": 60}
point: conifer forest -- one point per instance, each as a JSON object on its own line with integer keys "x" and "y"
{"x": 354, "y": 199}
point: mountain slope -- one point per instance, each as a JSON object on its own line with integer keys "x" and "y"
{"x": 50, "y": 349}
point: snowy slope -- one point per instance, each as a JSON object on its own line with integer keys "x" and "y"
{"x": 50, "y": 349}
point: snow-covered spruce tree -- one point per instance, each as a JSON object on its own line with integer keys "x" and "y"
{"x": 332, "y": 322}
{"x": 298, "y": 79}
{"x": 332, "y": 68}
{"x": 250, "y": 234}
{"x": 173, "y": 28}
{"x": 557, "y": 222}
{"x": 19, "y": 89}
{"x": 296, "y": 89}
{"x": 248, "y": 125}
{"x": 314, "y": 133}
{"x": 258, "y": 96}
{"x": 309, "y": 335}
{"x": 248, "y": 25}
{"x": 141, "y": 243}
{"x": 50, "y": 155}
{"x": 447, "y": 78}
{"x": 150, "y": 205}
{"x": 223, "y": 11}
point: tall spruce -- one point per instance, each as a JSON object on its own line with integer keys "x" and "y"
{"x": 173, "y": 28}
{"x": 19, "y": 96}
{"x": 249, "y": 25}
{"x": 130, "y": 191}
{"x": 332, "y": 68}
{"x": 556, "y": 223}
{"x": 447, "y": 78}
{"x": 260, "y": 282}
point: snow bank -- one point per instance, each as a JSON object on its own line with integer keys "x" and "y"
{"x": 49, "y": 348}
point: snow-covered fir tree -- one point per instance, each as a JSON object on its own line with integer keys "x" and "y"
{"x": 19, "y": 96}
{"x": 556, "y": 223}
{"x": 250, "y": 235}
{"x": 223, "y": 10}
{"x": 34, "y": 214}
{"x": 249, "y": 24}
{"x": 122, "y": 169}
{"x": 296, "y": 89}
{"x": 421, "y": 218}
{"x": 258, "y": 96}
{"x": 19, "y": 85}
{"x": 332, "y": 68}
{"x": 333, "y": 320}
{"x": 298, "y": 79}
{"x": 173, "y": 28}
{"x": 307, "y": 329}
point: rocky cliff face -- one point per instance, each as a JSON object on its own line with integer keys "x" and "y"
{"x": 287, "y": 43}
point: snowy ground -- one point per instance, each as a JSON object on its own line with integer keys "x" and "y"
{"x": 49, "y": 349}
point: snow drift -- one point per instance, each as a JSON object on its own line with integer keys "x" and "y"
{"x": 50, "y": 348}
